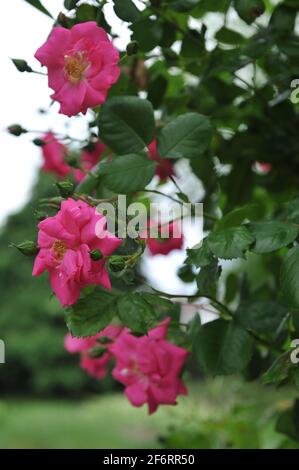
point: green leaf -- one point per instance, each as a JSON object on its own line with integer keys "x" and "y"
{"x": 147, "y": 33}
{"x": 127, "y": 173}
{"x": 126, "y": 11}
{"x": 230, "y": 243}
{"x": 127, "y": 124}
{"x": 287, "y": 423}
{"x": 229, "y": 36}
{"x": 135, "y": 312}
{"x": 238, "y": 215}
{"x": 279, "y": 370}
{"x": 249, "y": 10}
{"x": 200, "y": 256}
{"x": 39, "y": 6}
{"x": 283, "y": 19}
{"x": 207, "y": 278}
{"x": 91, "y": 314}
{"x": 187, "y": 136}
{"x": 182, "y": 5}
{"x": 261, "y": 315}
{"x": 271, "y": 236}
{"x": 290, "y": 277}
{"x": 223, "y": 347}
{"x": 21, "y": 65}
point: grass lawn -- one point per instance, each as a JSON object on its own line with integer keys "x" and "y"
{"x": 217, "y": 414}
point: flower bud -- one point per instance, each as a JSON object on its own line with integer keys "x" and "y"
{"x": 27, "y": 248}
{"x": 132, "y": 48}
{"x": 96, "y": 255}
{"x": 16, "y": 129}
{"x": 72, "y": 160}
{"x": 65, "y": 188}
{"x": 22, "y": 65}
{"x": 39, "y": 142}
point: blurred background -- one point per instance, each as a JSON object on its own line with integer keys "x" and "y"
{"x": 46, "y": 400}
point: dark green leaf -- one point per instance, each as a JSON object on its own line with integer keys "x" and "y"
{"x": 187, "y": 136}
{"x": 230, "y": 243}
{"x": 279, "y": 370}
{"x": 229, "y": 36}
{"x": 238, "y": 215}
{"x": 200, "y": 256}
{"x": 249, "y": 10}
{"x": 182, "y": 5}
{"x": 126, "y": 10}
{"x": 271, "y": 236}
{"x": 147, "y": 33}
{"x": 223, "y": 347}
{"x": 135, "y": 312}
{"x": 261, "y": 315}
{"x": 207, "y": 278}
{"x": 127, "y": 173}
{"x": 127, "y": 124}
{"x": 91, "y": 314}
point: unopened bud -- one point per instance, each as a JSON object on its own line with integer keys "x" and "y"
{"x": 27, "y": 248}
{"x": 72, "y": 160}
{"x": 96, "y": 255}
{"x": 16, "y": 129}
{"x": 65, "y": 188}
{"x": 39, "y": 142}
{"x": 22, "y": 65}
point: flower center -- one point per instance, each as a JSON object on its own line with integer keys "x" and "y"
{"x": 75, "y": 67}
{"x": 59, "y": 249}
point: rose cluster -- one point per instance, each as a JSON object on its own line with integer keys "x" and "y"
{"x": 148, "y": 366}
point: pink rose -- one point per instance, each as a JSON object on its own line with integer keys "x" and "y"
{"x": 263, "y": 167}
{"x": 94, "y": 366}
{"x": 170, "y": 238}
{"x": 149, "y": 366}
{"x": 65, "y": 242}
{"x": 82, "y": 66}
{"x": 53, "y": 155}
{"x": 164, "y": 167}
{"x": 89, "y": 158}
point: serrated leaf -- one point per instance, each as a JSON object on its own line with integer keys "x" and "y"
{"x": 238, "y": 215}
{"x": 279, "y": 370}
{"x": 91, "y": 314}
{"x": 126, "y": 124}
{"x": 127, "y": 173}
{"x": 271, "y": 236}
{"x": 187, "y": 136}
{"x": 135, "y": 312}
{"x": 230, "y": 243}
{"x": 200, "y": 256}
{"x": 223, "y": 347}
{"x": 261, "y": 315}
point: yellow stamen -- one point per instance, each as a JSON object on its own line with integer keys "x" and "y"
{"x": 75, "y": 67}
{"x": 59, "y": 249}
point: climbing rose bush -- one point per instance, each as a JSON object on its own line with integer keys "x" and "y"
{"x": 213, "y": 114}
{"x": 65, "y": 242}
{"x": 82, "y": 66}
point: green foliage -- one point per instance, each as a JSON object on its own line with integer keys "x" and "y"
{"x": 127, "y": 173}
{"x": 223, "y": 347}
{"x": 127, "y": 124}
{"x": 187, "y": 136}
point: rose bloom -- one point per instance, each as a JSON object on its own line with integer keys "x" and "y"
{"x": 89, "y": 158}
{"x": 149, "y": 366}
{"x": 263, "y": 168}
{"x": 53, "y": 155}
{"x": 164, "y": 166}
{"x": 97, "y": 367}
{"x": 82, "y": 66}
{"x": 169, "y": 238}
{"x": 65, "y": 241}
